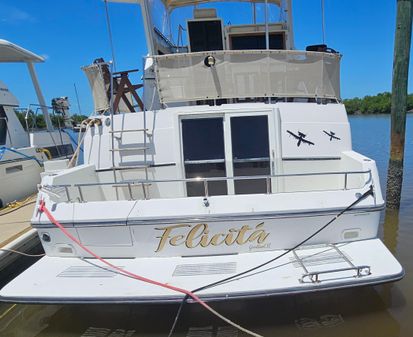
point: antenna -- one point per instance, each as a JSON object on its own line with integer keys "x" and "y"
{"x": 112, "y": 48}
{"x": 323, "y": 23}
{"x": 77, "y": 99}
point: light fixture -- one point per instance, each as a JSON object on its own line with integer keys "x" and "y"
{"x": 209, "y": 61}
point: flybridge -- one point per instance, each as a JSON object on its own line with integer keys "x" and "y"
{"x": 247, "y": 57}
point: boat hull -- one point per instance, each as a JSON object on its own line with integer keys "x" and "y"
{"x": 171, "y": 237}
{"x": 18, "y": 178}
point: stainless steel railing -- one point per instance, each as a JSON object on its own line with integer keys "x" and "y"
{"x": 129, "y": 185}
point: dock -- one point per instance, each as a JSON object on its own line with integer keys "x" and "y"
{"x": 16, "y": 233}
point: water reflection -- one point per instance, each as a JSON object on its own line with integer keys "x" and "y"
{"x": 359, "y": 312}
{"x": 391, "y": 229}
{"x": 19, "y": 320}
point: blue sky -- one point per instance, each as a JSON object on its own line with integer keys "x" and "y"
{"x": 72, "y": 33}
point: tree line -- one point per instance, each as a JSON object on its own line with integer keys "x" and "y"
{"x": 378, "y": 104}
{"x": 37, "y": 121}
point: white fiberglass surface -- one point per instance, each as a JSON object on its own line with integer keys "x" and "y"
{"x": 75, "y": 280}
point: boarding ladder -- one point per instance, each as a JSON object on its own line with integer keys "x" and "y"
{"x": 313, "y": 257}
{"x": 124, "y": 86}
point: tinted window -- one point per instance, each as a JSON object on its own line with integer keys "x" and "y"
{"x": 256, "y": 168}
{"x": 3, "y": 126}
{"x": 249, "y": 137}
{"x": 203, "y": 142}
{"x": 205, "y": 35}
{"x": 250, "y": 151}
{"x": 203, "y": 139}
{"x": 206, "y": 170}
{"x": 256, "y": 42}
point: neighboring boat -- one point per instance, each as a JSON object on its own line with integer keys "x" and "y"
{"x": 22, "y": 152}
{"x": 239, "y": 168}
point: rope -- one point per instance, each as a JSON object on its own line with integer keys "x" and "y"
{"x": 5, "y": 313}
{"x": 21, "y": 253}
{"x": 231, "y": 278}
{"x": 362, "y": 197}
{"x": 46, "y": 152}
{"x": 88, "y": 122}
{"x": 16, "y": 205}
{"x": 187, "y": 293}
{"x": 71, "y": 138}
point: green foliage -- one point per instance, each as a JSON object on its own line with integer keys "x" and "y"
{"x": 38, "y": 122}
{"x": 379, "y": 104}
{"x": 77, "y": 119}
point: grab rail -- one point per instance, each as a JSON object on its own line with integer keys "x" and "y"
{"x": 205, "y": 181}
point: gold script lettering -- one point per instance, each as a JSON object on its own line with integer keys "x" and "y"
{"x": 199, "y": 235}
{"x": 175, "y": 240}
{"x": 215, "y": 238}
{"x": 240, "y": 237}
{"x": 195, "y": 233}
{"x": 166, "y": 235}
{"x": 260, "y": 235}
{"x": 229, "y": 238}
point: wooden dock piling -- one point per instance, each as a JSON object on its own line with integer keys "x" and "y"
{"x": 399, "y": 102}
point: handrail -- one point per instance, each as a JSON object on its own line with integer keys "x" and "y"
{"x": 147, "y": 182}
{"x": 34, "y": 112}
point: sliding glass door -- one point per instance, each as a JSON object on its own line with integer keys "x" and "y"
{"x": 250, "y": 152}
{"x": 204, "y": 154}
{"x": 240, "y": 149}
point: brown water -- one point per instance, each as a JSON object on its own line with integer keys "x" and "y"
{"x": 381, "y": 311}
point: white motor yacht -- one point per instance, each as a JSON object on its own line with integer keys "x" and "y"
{"x": 234, "y": 177}
{"x": 23, "y": 151}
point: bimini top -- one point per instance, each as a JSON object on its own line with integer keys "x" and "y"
{"x": 171, "y": 4}
{"x": 9, "y": 52}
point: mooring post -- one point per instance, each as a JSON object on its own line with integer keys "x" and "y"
{"x": 399, "y": 102}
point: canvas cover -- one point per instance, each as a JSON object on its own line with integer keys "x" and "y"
{"x": 10, "y": 52}
{"x": 247, "y": 74}
{"x": 99, "y": 88}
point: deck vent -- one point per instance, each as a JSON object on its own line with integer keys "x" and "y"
{"x": 86, "y": 271}
{"x": 205, "y": 269}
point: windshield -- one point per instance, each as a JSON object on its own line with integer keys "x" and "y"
{"x": 220, "y": 22}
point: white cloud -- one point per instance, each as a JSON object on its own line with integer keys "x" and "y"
{"x": 14, "y": 15}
